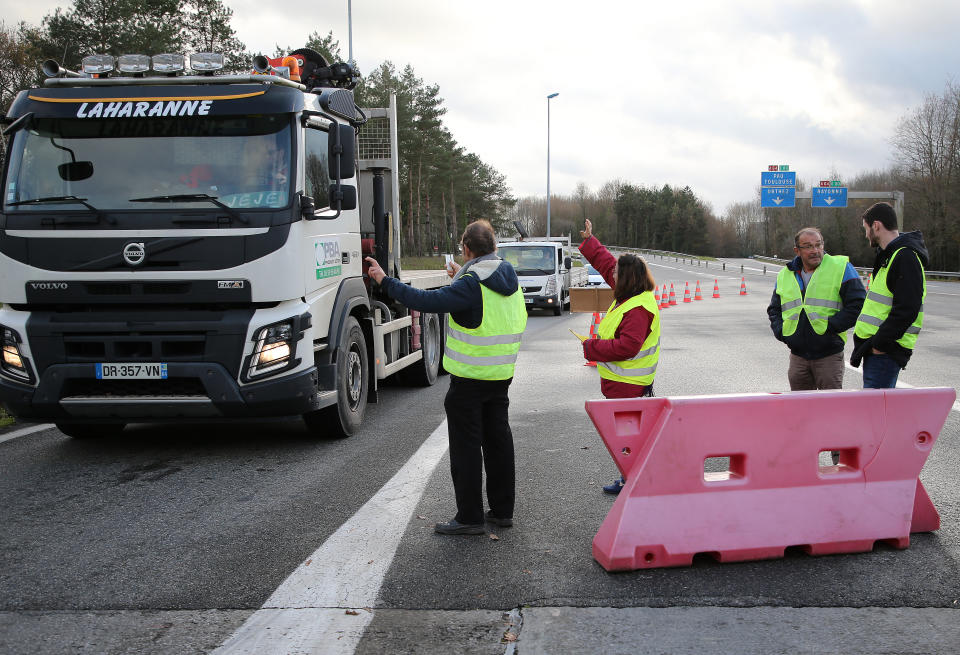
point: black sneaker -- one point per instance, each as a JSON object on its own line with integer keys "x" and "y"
{"x": 496, "y": 520}
{"x": 456, "y": 527}
{"x": 615, "y": 486}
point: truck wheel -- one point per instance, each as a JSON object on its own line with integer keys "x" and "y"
{"x": 443, "y": 342}
{"x": 353, "y": 386}
{"x": 424, "y": 373}
{"x": 558, "y": 305}
{"x": 91, "y": 430}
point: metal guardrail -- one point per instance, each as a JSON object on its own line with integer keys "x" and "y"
{"x": 683, "y": 257}
{"x": 866, "y": 270}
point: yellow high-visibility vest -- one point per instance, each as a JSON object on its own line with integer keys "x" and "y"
{"x": 822, "y": 299}
{"x": 488, "y": 351}
{"x": 876, "y": 308}
{"x": 642, "y": 367}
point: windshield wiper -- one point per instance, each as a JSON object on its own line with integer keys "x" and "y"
{"x": 61, "y": 200}
{"x": 194, "y": 197}
{"x": 55, "y": 200}
{"x": 540, "y": 271}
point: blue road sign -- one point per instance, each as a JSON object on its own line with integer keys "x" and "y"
{"x": 831, "y": 196}
{"x": 778, "y": 197}
{"x": 779, "y": 179}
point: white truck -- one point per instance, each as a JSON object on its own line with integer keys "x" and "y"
{"x": 179, "y": 244}
{"x": 546, "y": 271}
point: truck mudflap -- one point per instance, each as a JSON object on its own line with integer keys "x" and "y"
{"x": 192, "y": 390}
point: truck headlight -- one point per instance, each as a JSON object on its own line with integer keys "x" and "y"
{"x": 14, "y": 363}
{"x": 273, "y": 349}
{"x": 550, "y": 288}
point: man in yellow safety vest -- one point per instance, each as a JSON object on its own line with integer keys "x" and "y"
{"x": 892, "y": 315}
{"x": 816, "y": 300}
{"x": 485, "y": 322}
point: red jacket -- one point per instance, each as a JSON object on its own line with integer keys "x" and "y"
{"x": 630, "y": 334}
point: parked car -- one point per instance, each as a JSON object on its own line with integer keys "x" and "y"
{"x": 594, "y": 278}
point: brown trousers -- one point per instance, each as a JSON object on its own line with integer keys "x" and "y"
{"x": 810, "y": 374}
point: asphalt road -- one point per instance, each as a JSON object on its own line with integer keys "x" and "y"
{"x": 169, "y": 540}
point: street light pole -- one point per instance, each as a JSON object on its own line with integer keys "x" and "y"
{"x": 552, "y": 95}
{"x": 350, "y": 30}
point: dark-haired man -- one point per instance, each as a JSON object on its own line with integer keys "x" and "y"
{"x": 892, "y": 315}
{"x": 486, "y": 319}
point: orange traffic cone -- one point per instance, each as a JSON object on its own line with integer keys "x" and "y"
{"x": 686, "y": 293}
{"x": 664, "y": 302}
{"x": 743, "y": 286}
{"x": 656, "y": 295}
{"x": 716, "y": 288}
{"x": 673, "y": 296}
{"x": 698, "y": 295}
{"x": 594, "y": 324}
{"x": 869, "y": 278}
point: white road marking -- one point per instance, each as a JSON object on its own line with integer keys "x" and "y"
{"x": 308, "y": 612}
{"x": 25, "y": 431}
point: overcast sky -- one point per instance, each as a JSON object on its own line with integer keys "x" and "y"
{"x": 698, "y": 93}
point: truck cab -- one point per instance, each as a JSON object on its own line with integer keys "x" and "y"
{"x": 179, "y": 246}
{"x": 546, "y": 271}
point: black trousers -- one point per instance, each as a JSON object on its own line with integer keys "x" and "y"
{"x": 480, "y": 437}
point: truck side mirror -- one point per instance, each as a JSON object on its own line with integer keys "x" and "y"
{"x": 341, "y": 145}
{"x": 343, "y": 197}
{"x": 567, "y": 263}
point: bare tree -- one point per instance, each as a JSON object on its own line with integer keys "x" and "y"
{"x": 927, "y": 145}
{"x": 746, "y": 219}
{"x": 17, "y": 66}
{"x": 583, "y": 196}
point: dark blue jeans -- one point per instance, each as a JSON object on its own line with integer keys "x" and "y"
{"x": 880, "y": 372}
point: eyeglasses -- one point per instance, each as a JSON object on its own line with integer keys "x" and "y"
{"x": 811, "y": 246}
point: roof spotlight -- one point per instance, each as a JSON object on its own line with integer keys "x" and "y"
{"x": 133, "y": 63}
{"x": 168, "y": 63}
{"x": 97, "y": 64}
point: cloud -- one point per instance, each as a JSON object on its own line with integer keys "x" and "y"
{"x": 696, "y": 93}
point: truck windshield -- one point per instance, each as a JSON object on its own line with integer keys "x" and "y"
{"x": 529, "y": 260}
{"x": 243, "y": 162}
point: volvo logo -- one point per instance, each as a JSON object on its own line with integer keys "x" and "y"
{"x": 49, "y": 286}
{"x": 134, "y": 253}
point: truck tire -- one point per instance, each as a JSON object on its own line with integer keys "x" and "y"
{"x": 91, "y": 430}
{"x": 424, "y": 373}
{"x": 443, "y": 342}
{"x": 558, "y": 306}
{"x": 353, "y": 386}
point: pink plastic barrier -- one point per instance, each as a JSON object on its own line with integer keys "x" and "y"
{"x": 776, "y": 487}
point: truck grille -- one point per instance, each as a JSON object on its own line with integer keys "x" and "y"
{"x": 142, "y": 347}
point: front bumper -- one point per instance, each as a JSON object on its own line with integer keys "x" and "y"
{"x": 540, "y": 302}
{"x": 192, "y": 390}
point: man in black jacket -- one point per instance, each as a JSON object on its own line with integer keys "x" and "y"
{"x": 816, "y": 301}
{"x": 892, "y": 314}
{"x": 486, "y": 318}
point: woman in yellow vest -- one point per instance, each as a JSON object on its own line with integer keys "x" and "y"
{"x": 628, "y": 345}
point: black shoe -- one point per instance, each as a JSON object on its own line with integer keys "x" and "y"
{"x": 615, "y": 486}
{"x": 496, "y": 520}
{"x": 456, "y": 527}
